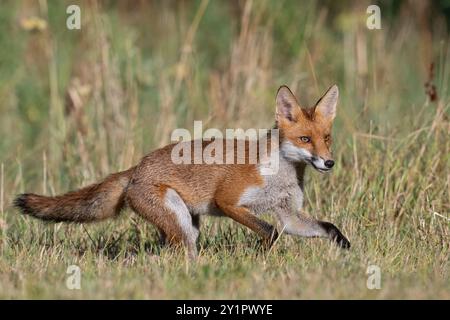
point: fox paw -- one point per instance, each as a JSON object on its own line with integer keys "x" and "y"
{"x": 336, "y": 235}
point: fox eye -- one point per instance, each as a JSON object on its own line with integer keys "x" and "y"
{"x": 327, "y": 137}
{"x": 305, "y": 139}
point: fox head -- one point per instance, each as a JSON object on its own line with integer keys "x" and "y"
{"x": 305, "y": 134}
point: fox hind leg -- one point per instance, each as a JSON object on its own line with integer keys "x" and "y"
{"x": 162, "y": 237}
{"x": 187, "y": 223}
{"x": 168, "y": 212}
{"x": 196, "y": 223}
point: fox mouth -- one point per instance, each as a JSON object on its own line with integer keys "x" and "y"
{"x": 322, "y": 170}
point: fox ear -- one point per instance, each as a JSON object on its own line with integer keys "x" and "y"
{"x": 287, "y": 106}
{"x": 326, "y": 105}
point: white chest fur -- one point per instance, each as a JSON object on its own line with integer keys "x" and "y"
{"x": 279, "y": 192}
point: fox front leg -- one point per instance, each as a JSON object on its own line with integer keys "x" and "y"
{"x": 300, "y": 225}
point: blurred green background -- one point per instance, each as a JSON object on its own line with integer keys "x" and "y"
{"x": 98, "y": 98}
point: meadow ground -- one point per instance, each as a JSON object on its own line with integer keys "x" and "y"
{"x": 77, "y": 105}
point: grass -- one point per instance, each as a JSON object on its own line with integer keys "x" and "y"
{"x": 77, "y": 105}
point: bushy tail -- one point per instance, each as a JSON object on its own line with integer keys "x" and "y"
{"x": 92, "y": 203}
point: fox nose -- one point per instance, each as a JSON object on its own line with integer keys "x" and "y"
{"x": 329, "y": 164}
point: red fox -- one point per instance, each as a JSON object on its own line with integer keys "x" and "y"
{"x": 173, "y": 197}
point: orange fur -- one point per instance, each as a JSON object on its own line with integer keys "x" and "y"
{"x": 170, "y": 195}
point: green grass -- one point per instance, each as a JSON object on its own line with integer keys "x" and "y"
{"x": 141, "y": 71}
